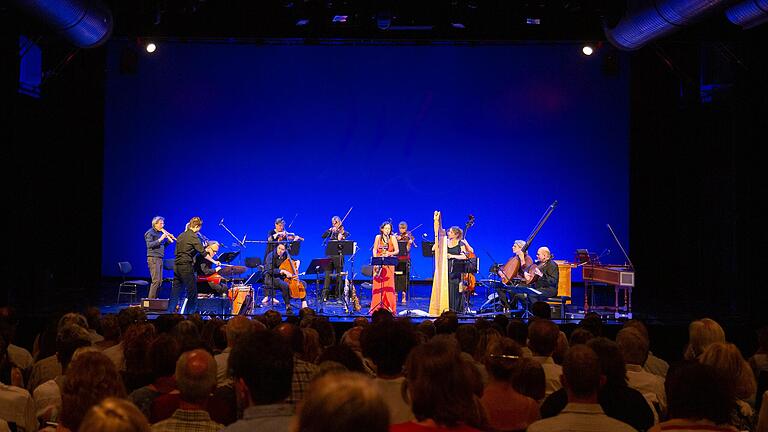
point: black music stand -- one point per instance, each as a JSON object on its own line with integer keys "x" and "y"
{"x": 381, "y": 261}
{"x": 426, "y": 248}
{"x": 228, "y": 257}
{"x": 339, "y": 248}
{"x": 317, "y": 266}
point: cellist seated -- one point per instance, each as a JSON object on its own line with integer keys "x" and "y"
{"x": 274, "y": 278}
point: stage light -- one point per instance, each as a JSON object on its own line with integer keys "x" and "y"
{"x": 151, "y": 47}
{"x": 587, "y": 50}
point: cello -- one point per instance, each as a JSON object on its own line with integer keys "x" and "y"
{"x": 468, "y": 280}
{"x": 513, "y": 265}
{"x": 295, "y": 286}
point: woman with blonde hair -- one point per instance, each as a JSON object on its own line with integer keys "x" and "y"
{"x": 114, "y": 415}
{"x": 701, "y": 334}
{"x": 726, "y": 358}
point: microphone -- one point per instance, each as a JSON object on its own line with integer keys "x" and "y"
{"x": 221, "y": 222}
{"x": 424, "y": 235}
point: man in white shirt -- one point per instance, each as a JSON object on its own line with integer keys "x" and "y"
{"x": 581, "y": 379}
{"x": 542, "y": 340}
{"x": 634, "y": 348}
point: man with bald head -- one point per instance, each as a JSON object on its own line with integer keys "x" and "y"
{"x": 548, "y": 275}
{"x": 302, "y": 371}
{"x": 235, "y": 329}
{"x": 196, "y": 379}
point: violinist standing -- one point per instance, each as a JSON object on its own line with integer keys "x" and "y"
{"x": 403, "y": 266}
{"x": 338, "y": 233}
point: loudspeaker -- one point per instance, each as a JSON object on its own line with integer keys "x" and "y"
{"x": 154, "y": 304}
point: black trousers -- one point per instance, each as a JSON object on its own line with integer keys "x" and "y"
{"x": 282, "y": 285}
{"x": 401, "y": 280}
{"x": 455, "y": 298}
{"x": 183, "y": 277}
{"x": 338, "y": 266}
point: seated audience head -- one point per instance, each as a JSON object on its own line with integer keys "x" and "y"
{"x": 188, "y": 335}
{"x": 93, "y": 316}
{"x": 637, "y": 325}
{"x": 447, "y": 323}
{"x": 163, "y": 353}
{"x": 702, "y": 333}
{"x": 580, "y": 336}
{"x": 73, "y": 318}
{"x": 312, "y": 348}
{"x": 727, "y": 358}
{"x": 517, "y": 330}
{"x": 388, "y": 344}
{"x": 342, "y": 402}
{"x": 261, "y": 365}
{"x": 344, "y": 356}
{"x": 581, "y": 374}
{"x": 528, "y": 379}
{"x": 611, "y": 361}
{"x": 633, "y": 346}
{"x": 426, "y": 329}
{"x": 90, "y": 378}
{"x": 542, "y": 337}
{"x": 351, "y": 338}
{"x": 485, "y": 338}
{"x": 70, "y": 338}
{"x": 136, "y": 345}
{"x": 592, "y": 322}
{"x": 273, "y": 318}
{"x": 114, "y": 415}
{"x": 468, "y": 338}
{"x": 500, "y": 323}
{"x": 541, "y": 309}
{"x": 442, "y": 386}
{"x": 292, "y": 335}
{"x": 306, "y": 312}
{"x": 361, "y": 322}
{"x": 110, "y": 327}
{"x": 325, "y": 330}
{"x": 502, "y": 358}
{"x": 237, "y": 328}
{"x": 129, "y": 316}
{"x": 381, "y": 315}
{"x": 697, "y": 391}
{"x": 196, "y": 376}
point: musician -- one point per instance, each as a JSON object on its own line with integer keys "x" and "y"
{"x": 204, "y": 267}
{"x": 403, "y": 267}
{"x": 156, "y": 238}
{"x": 384, "y": 245}
{"x": 187, "y": 248}
{"x": 338, "y": 233}
{"x": 457, "y": 250}
{"x": 548, "y": 274}
{"x": 274, "y": 277}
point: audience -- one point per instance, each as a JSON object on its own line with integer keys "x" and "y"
{"x": 90, "y": 378}
{"x": 262, "y": 368}
{"x": 652, "y": 364}
{"x": 125, "y": 318}
{"x": 343, "y": 402}
{"x": 507, "y": 409}
{"x": 702, "y": 333}
{"x": 727, "y": 359}
{"x": 581, "y": 379}
{"x": 517, "y": 330}
{"x": 700, "y": 399}
{"x": 196, "y": 379}
{"x": 110, "y": 331}
{"x": 114, "y": 415}
{"x": 759, "y": 361}
{"x": 442, "y": 389}
{"x": 529, "y": 380}
{"x": 136, "y": 344}
{"x": 542, "y": 340}
{"x": 634, "y": 350}
{"x": 387, "y": 344}
{"x": 302, "y": 370}
{"x": 162, "y": 356}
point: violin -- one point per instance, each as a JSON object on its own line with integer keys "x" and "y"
{"x": 295, "y": 286}
{"x": 468, "y": 280}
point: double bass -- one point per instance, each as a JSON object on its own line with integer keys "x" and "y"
{"x": 295, "y": 286}
{"x": 513, "y": 265}
{"x": 468, "y": 280}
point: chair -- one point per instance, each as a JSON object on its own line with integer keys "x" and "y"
{"x": 168, "y": 265}
{"x": 559, "y": 302}
{"x": 128, "y": 287}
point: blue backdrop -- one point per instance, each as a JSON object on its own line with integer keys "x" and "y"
{"x": 248, "y": 133}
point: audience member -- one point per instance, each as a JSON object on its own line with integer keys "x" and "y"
{"x": 187, "y": 333}
{"x": 580, "y": 336}
{"x": 90, "y": 378}
{"x": 702, "y": 333}
{"x": 312, "y": 348}
{"x": 426, "y": 330}
{"x": 344, "y": 402}
{"x": 507, "y": 409}
{"x": 135, "y": 348}
{"x": 16, "y": 404}
{"x": 700, "y": 399}
{"x": 114, "y": 415}
{"x": 196, "y": 379}
{"x": 652, "y": 364}
{"x": 92, "y": 316}
{"x": 759, "y": 361}
{"x": 302, "y": 370}
{"x": 162, "y": 356}
{"x": 469, "y": 342}
{"x": 262, "y": 370}
{"x": 727, "y": 359}
{"x": 214, "y": 336}
{"x": 235, "y": 329}
{"x": 325, "y": 330}
{"x": 110, "y": 331}
{"x": 272, "y": 318}
{"x": 344, "y": 356}
{"x": 528, "y": 379}
{"x": 542, "y": 340}
{"x": 387, "y": 344}
{"x": 541, "y": 309}
{"x": 581, "y": 379}
{"x": 634, "y": 350}
{"x": 592, "y": 322}
{"x": 442, "y": 389}
{"x": 616, "y": 398}
{"x": 125, "y": 318}
{"x": 446, "y": 323}
{"x": 48, "y": 367}
{"x": 517, "y": 330}
{"x": 17, "y": 355}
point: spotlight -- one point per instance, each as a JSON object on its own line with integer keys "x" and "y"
{"x": 587, "y": 50}
{"x": 151, "y": 47}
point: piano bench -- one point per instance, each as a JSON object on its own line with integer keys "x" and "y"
{"x": 558, "y": 303}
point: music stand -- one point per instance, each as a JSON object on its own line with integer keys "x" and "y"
{"x": 317, "y": 266}
{"x": 228, "y": 257}
{"x": 426, "y": 248}
{"x": 339, "y": 248}
{"x": 381, "y": 261}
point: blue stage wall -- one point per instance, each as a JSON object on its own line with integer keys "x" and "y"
{"x": 248, "y": 133}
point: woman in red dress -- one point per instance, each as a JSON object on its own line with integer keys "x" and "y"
{"x": 384, "y": 296}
